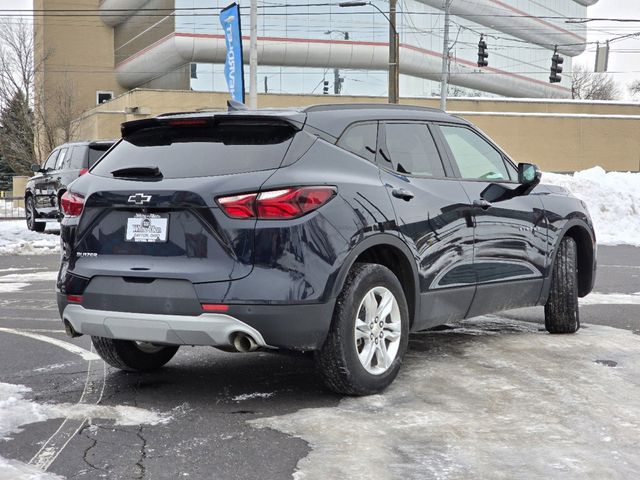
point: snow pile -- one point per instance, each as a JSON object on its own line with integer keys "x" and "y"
{"x": 613, "y": 200}
{"x": 8, "y": 209}
{"x": 16, "y": 239}
{"x": 16, "y": 411}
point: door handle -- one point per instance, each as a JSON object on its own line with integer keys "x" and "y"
{"x": 482, "y": 203}
{"x": 402, "y": 193}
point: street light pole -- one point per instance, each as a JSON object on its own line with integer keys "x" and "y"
{"x": 394, "y": 46}
{"x": 445, "y": 57}
{"x": 394, "y": 50}
{"x": 253, "y": 56}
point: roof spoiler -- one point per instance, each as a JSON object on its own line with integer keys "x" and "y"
{"x": 295, "y": 119}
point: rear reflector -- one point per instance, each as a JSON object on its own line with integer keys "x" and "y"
{"x": 280, "y": 204}
{"x": 74, "y": 298}
{"x": 215, "y": 307}
{"x": 72, "y": 204}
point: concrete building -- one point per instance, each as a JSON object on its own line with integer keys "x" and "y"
{"x": 105, "y": 47}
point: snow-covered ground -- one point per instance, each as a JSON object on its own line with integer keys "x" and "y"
{"x": 16, "y": 239}
{"x": 473, "y": 403}
{"x": 613, "y": 200}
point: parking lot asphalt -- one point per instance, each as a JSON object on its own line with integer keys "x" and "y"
{"x": 264, "y": 415}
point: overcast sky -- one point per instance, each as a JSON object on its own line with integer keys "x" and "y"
{"x": 624, "y": 61}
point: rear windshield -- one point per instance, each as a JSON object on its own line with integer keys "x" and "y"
{"x": 199, "y": 151}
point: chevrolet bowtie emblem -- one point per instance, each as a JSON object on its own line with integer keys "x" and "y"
{"x": 139, "y": 198}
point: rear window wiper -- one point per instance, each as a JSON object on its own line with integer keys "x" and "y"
{"x": 150, "y": 173}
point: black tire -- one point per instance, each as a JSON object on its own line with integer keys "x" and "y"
{"x": 338, "y": 360}
{"x": 129, "y": 356}
{"x": 561, "y": 312}
{"x": 31, "y": 214}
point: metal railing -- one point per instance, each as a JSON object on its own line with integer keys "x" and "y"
{"x": 12, "y": 208}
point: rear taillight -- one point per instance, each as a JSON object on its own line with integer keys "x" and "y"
{"x": 280, "y": 204}
{"x": 72, "y": 204}
{"x": 83, "y": 171}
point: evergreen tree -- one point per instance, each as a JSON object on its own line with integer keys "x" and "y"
{"x": 17, "y": 135}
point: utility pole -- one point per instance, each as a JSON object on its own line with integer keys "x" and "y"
{"x": 394, "y": 51}
{"x": 253, "y": 56}
{"x": 445, "y": 57}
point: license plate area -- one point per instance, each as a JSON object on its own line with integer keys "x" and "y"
{"x": 147, "y": 228}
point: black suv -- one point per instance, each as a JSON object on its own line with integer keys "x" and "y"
{"x": 336, "y": 229}
{"x": 65, "y": 163}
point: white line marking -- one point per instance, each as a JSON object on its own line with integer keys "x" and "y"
{"x": 70, "y": 347}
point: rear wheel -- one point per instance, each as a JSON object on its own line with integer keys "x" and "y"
{"x": 31, "y": 215}
{"x": 369, "y": 333}
{"x": 133, "y": 356}
{"x": 561, "y": 313}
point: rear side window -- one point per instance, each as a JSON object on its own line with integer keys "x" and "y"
{"x": 198, "y": 151}
{"x": 474, "y": 156}
{"x": 75, "y": 161}
{"x": 411, "y": 149}
{"x": 361, "y": 139}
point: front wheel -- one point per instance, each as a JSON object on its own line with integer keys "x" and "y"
{"x": 31, "y": 214}
{"x": 133, "y": 356}
{"x": 561, "y": 313}
{"x": 369, "y": 333}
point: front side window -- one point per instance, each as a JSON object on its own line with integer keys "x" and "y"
{"x": 361, "y": 139}
{"x": 474, "y": 156}
{"x": 411, "y": 149}
{"x": 51, "y": 161}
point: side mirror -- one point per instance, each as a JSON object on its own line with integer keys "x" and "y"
{"x": 35, "y": 168}
{"x": 529, "y": 174}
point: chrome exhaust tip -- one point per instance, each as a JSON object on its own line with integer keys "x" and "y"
{"x": 69, "y": 330}
{"x": 244, "y": 343}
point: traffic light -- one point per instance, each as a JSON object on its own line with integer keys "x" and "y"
{"x": 325, "y": 88}
{"x": 482, "y": 52}
{"x": 556, "y": 67}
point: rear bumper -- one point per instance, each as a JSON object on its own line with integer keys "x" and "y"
{"x": 291, "y": 327}
{"x": 205, "y": 329}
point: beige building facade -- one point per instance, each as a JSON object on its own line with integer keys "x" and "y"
{"x": 560, "y": 136}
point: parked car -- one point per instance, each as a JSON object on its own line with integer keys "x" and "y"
{"x": 336, "y": 229}
{"x": 63, "y": 165}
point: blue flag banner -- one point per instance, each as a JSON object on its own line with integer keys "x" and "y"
{"x": 233, "y": 66}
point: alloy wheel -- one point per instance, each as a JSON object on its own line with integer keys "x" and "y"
{"x": 378, "y": 329}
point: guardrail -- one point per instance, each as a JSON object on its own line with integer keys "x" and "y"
{"x": 12, "y": 208}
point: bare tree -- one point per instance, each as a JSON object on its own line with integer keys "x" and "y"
{"x": 634, "y": 88}
{"x": 588, "y": 85}
{"x": 16, "y": 94}
{"x": 29, "y": 133}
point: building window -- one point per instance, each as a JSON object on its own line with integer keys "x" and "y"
{"x": 103, "y": 96}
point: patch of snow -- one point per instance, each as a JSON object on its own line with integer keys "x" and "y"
{"x": 12, "y": 287}
{"x": 16, "y": 411}
{"x": 595, "y": 298}
{"x": 613, "y": 200}
{"x": 15, "y": 470}
{"x": 17, "y": 239}
{"x": 523, "y": 403}
{"x": 249, "y": 396}
{"x": 29, "y": 277}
